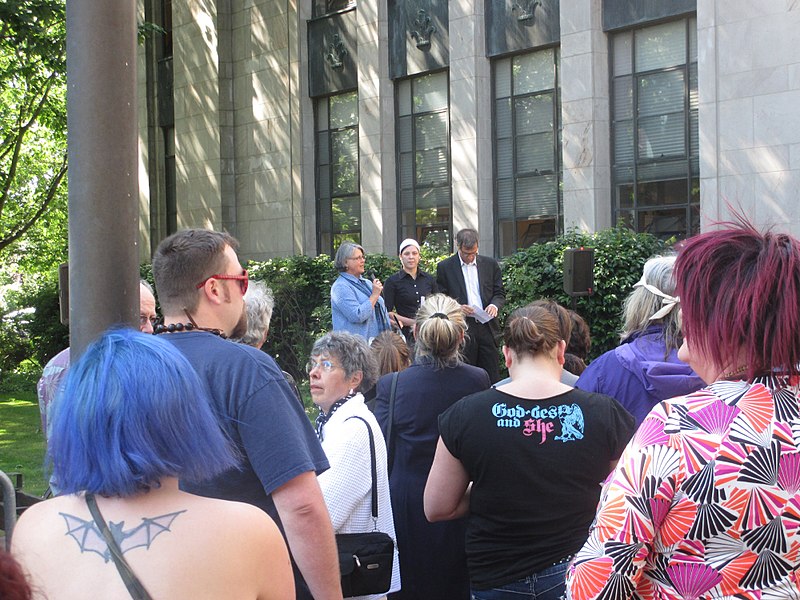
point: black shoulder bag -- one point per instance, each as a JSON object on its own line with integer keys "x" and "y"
{"x": 365, "y": 559}
{"x": 135, "y": 587}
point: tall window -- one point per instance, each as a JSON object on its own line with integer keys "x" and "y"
{"x": 654, "y": 129}
{"x": 423, "y": 139}
{"x": 324, "y": 7}
{"x": 338, "y": 199}
{"x": 527, "y": 150}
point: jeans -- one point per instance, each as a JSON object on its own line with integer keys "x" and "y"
{"x": 547, "y": 584}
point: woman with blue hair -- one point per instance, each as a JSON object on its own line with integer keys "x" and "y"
{"x": 133, "y": 418}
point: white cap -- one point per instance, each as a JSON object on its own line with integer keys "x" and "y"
{"x": 408, "y": 242}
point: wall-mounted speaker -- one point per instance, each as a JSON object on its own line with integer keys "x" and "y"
{"x": 579, "y": 271}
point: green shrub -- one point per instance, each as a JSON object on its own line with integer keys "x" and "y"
{"x": 48, "y": 335}
{"x": 619, "y": 254}
{"x": 31, "y": 332}
{"x": 301, "y": 287}
{"x": 302, "y": 284}
{"x": 15, "y": 347}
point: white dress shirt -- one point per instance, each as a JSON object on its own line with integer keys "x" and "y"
{"x": 470, "y": 271}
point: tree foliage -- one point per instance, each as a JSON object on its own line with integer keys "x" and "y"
{"x": 33, "y": 146}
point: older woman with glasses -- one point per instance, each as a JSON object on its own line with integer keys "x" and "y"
{"x": 356, "y": 303}
{"x": 341, "y": 366}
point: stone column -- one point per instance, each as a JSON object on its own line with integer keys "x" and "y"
{"x": 376, "y": 130}
{"x": 748, "y": 117}
{"x": 470, "y": 122}
{"x": 306, "y": 204}
{"x": 197, "y": 114}
{"x": 584, "y": 80}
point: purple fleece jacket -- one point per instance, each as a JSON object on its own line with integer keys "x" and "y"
{"x": 638, "y": 376}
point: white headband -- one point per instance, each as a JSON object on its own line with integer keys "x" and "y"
{"x": 668, "y": 302}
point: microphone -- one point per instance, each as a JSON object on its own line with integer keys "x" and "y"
{"x": 370, "y": 275}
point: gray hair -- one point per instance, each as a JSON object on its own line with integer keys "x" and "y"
{"x": 353, "y": 354}
{"x": 440, "y": 329}
{"x": 258, "y": 302}
{"x": 345, "y": 251}
{"x": 467, "y": 238}
{"x": 641, "y": 304}
{"x": 147, "y": 286}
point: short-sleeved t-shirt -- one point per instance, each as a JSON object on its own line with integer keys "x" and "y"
{"x": 536, "y": 468}
{"x": 258, "y": 411}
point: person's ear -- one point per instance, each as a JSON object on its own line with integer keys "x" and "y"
{"x": 561, "y": 350}
{"x": 355, "y": 380}
{"x": 507, "y": 355}
{"x": 212, "y": 290}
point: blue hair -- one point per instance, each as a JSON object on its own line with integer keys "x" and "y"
{"x": 133, "y": 411}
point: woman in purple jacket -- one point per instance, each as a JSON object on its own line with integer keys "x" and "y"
{"x": 644, "y": 369}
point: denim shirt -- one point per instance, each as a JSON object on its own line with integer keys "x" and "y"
{"x": 351, "y": 309}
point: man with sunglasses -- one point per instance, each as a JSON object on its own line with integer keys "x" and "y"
{"x": 201, "y": 287}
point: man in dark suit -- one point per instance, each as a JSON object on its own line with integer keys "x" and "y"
{"x": 475, "y": 282}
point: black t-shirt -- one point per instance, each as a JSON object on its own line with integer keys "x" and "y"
{"x": 536, "y": 468}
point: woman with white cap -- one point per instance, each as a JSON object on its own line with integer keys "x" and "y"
{"x": 644, "y": 369}
{"x": 405, "y": 291}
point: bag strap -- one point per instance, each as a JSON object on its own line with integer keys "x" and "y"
{"x": 390, "y": 424}
{"x": 373, "y": 465}
{"x": 135, "y": 587}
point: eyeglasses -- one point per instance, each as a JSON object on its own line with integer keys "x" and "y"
{"x": 362, "y": 257}
{"x": 143, "y": 319}
{"x": 242, "y": 279}
{"x": 326, "y": 365}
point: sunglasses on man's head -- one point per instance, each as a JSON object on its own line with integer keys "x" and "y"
{"x": 242, "y": 279}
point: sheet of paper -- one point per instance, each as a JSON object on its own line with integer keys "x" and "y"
{"x": 481, "y": 315}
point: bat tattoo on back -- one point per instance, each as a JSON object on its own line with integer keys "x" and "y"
{"x": 90, "y": 539}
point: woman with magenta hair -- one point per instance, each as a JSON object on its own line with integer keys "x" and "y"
{"x": 133, "y": 418}
{"x": 13, "y": 585}
{"x": 705, "y": 500}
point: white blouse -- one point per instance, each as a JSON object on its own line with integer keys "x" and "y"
{"x": 347, "y": 485}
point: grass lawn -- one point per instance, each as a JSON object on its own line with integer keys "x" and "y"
{"x": 22, "y": 445}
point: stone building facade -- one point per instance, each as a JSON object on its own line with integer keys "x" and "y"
{"x": 294, "y": 124}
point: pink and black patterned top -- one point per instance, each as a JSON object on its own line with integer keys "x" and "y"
{"x": 704, "y": 502}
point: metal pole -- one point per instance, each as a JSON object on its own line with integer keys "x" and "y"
{"x": 103, "y": 168}
{"x": 9, "y": 507}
